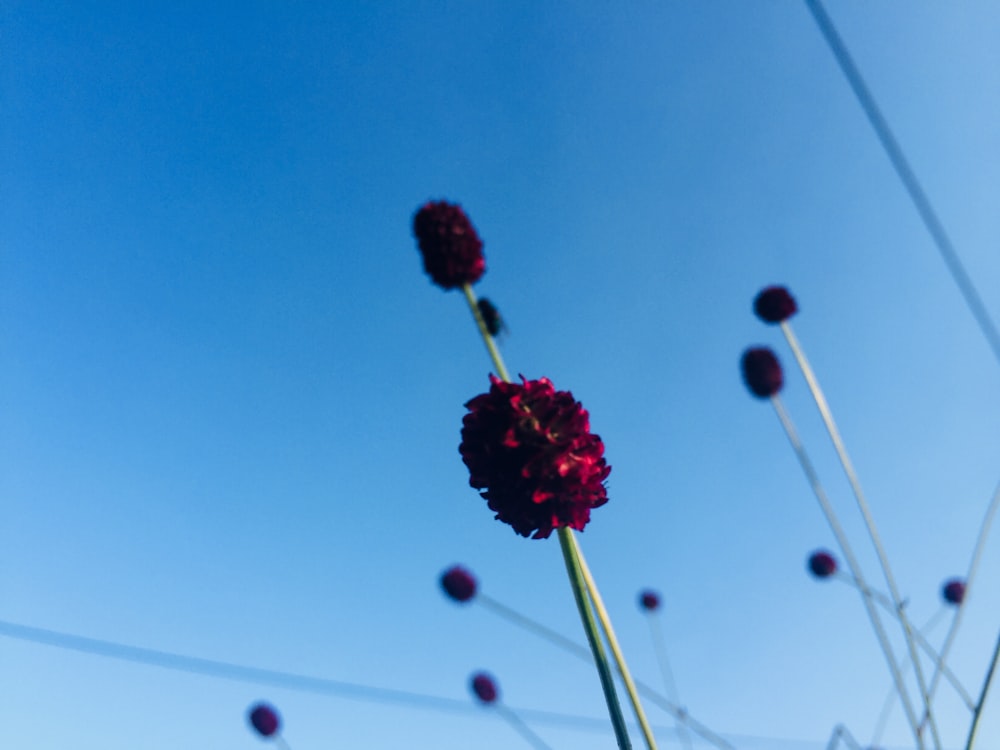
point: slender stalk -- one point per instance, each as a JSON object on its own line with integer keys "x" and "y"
{"x": 852, "y": 563}
{"x": 605, "y": 620}
{"x": 977, "y": 554}
{"x": 576, "y": 580}
{"x": 669, "y": 684}
{"x": 523, "y": 729}
{"x": 281, "y": 742}
{"x": 859, "y": 496}
{"x": 531, "y": 625}
{"x": 647, "y": 691}
{"x": 885, "y": 603}
{"x": 491, "y": 346}
{"x": 840, "y": 733}
{"x": 982, "y": 697}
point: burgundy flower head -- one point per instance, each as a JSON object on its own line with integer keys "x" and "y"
{"x": 774, "y": 305}
{"x": 822, "y": 564}
{"x": 458, "y": 583}
{"x": 484, "y": 687}
{"x": 452, "y": 250}
{"x": 264, "y": 719}
{"x": 530, "y": 448}
{"x": 649, "y": 600}
{"x": 761, "y": 372}
{"x": 953, "y": 591}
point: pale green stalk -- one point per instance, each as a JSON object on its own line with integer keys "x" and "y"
{"x": 859, "y": 495}
{"x": 852, "y": 563}
{"x": 602, "y": 615}
{"x": 982, "y": 697}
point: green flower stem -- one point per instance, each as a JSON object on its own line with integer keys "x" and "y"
{"x": 576, "y": 581}
{"x": 977, "y": 553}
{"x": 852, "y": 563}
{"x": 859, "y": 495}
{"x": 982, "y": 697}
{"x": 602, "y": 615}
{"x": 491, "y": 346}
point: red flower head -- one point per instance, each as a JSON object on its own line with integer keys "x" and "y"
{"x": 458, "y": 583}
{"x": 452, "y": 250}
{"x": 485, "y": 687}
{"x": 264, "y": 719}
{"x": 649, "y": 600}
{"x": 761, "y": 372}
{"x": 530, "y": 448}
{"x": 775, "y": 305}
{"x": 822, "y": 564}
{"x": 953, "y": 591}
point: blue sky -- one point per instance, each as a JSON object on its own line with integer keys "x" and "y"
{"x": 231, "y": 399}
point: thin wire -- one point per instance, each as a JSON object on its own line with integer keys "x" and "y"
{"x": 906, "y": 175}
{"x": 274, "y": 678}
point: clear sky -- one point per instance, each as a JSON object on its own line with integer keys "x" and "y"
{"x": 230, "y": 399}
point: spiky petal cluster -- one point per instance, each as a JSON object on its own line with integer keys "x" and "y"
{"x": 458, "y": 583}
{"x": 774, "y": 304}
{"x": 953, "y": 591}
{"x": 649, "y": 600}
{"x": 264, "y": 719}
{"x": 822, "y": 564}
{"x": 484, "y": 687}
{"x": 761, "y": 372}
{"x": 450, "y": 245}
{"x": 529, "y": 447}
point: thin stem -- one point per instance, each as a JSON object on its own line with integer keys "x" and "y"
{"x": 859, "y": 496}
{"x": 605, "y": 620}
{"x": 575, "y": 573}
{"x": 883, "y": 601}
{"x": 523, "y": 729}
{"x": 977, "y": 554}
{"x": 884, "y": 714}
{"x": 840, "y": 733}
{"x": 281, "y": 742}
{"x": 982, "y": 697}
{"x": 669, "y": 684}
{"x": 491, "y": 346}
{"x": 582, "y": 652}
{"x": 535, "y": 627}
{"x": 852, "y": 563}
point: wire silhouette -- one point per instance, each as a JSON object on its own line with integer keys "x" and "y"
{"x": 906, "y": 174}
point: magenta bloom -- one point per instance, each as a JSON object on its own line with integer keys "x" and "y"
{"x": 458, "y": 583}
{"x": 484, "y": 687}
{"x": 761, "y": 372}
{"x": 774, "y": 305}
{"x": 822, "y": 564}
{"x": 953, "y": 591}
{"x": 264, "y": 719}
{"x": 649, "y": 600}
{"x": 530, "y": 448}
{"x": 452, "y": 250}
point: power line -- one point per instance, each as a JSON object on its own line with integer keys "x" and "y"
{"x": 906, "y": 174}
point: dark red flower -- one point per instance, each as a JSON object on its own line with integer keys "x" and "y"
{"x": 822, "y": 564}
{"x": 649, "y": 600}
{"x": 458, "y": 583}
{"x": 485, "y": 687}
{"x": 530, "y": 448}
{"x": 953, "y": 591}
{"x": 264, "y": 719}
{"x": 774, "y": 304}
{"x": 452, "y": 250}
{"x": 761, "y": 372}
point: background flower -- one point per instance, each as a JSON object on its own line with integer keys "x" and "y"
{"x": 649, "y": 600}
{"x": 774, "y": 304}
{"x": 822, "y": 564}
{"x": 458, "y": 583}
{"x": 530, "y": 448}
{"x": 484, "y": 687}
{"x": 761, "y": 372}
{"x": 953, "y": 591}
{"x": 264, "y": 718}
{"x": 450, "y": 245}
